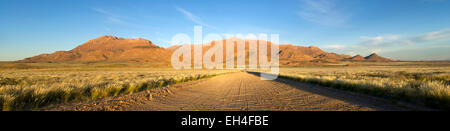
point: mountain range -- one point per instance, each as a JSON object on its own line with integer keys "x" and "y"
{"x": 115, "y": 49}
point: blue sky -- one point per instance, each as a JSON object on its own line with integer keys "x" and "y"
{"x": 398, "y": 29}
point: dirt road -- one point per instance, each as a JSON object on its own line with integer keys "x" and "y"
{"x": 240, "y": 92}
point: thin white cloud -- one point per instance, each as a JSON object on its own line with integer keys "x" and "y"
{"x": 335, "y": 47}
{"x": 192, "y": 17}
{"x": 391, "y": 43}
{"x": 99, "y": 10}
{"x": 432, "y": 52}
{"x": 324, "y": 12}
{"x": 117, "y": 19}
{"x": 111, "y": 17}
{"x": 434, "y": 36}
{"x": 378, "y": 44}
{"x": 383, "y": 40}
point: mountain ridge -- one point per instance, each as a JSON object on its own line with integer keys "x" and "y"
{"x": 117, "y": 49}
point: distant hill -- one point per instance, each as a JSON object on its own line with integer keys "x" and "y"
{"x": 357, "y": 58}
{"x": 114, "y": 49}
{"x": 371, "y": 58}
{"x": 297, "y": 55}
{"x": 375, "y": 58}
{"x": 108, "y": 48}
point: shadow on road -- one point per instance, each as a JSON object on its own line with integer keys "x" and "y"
{"x": 348, "y": 96}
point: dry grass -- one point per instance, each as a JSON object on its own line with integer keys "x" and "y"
{"x": 26, "y": 86}
{"x": 27, "y": 89}
{"x": 427, "y": 84}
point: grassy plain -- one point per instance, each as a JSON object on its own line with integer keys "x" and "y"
{"x": 426, "y": 83}
{"x": 28, "y": 86}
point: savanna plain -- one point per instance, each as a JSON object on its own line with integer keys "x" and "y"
{"x": 38, "y": 86}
